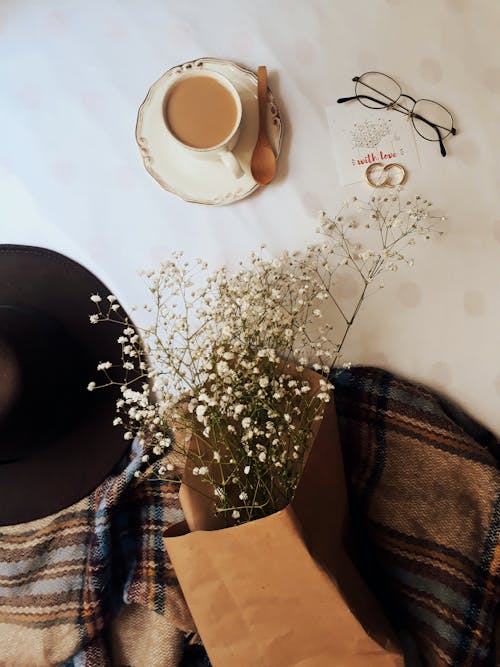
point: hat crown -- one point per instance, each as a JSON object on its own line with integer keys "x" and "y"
{"x": 10, "y": 378}
{"x": 57, "y": 441}
{"x": 32, "y": 379}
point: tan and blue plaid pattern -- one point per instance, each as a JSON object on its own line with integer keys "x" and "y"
{"x": 424, "y": 484}
{"x": 63, "y": 579}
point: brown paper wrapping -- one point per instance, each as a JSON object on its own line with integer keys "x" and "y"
{"x": 282, "y": 591}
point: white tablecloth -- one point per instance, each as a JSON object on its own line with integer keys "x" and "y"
{"x": 74, "y": 72}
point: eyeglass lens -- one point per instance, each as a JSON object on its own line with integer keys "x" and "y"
{"x": 427, "y": 116}
{"x": 376, "y": 90}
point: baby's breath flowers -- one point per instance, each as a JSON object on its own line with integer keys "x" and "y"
{"x": 367, "y": 239}
{"x": 227, "y": 355}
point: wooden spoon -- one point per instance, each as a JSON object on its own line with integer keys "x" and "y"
{"x": 263, "y": 163}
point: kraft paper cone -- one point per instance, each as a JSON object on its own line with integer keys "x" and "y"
{"x": 281, "y": 591}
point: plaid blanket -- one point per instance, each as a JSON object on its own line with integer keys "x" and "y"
{"x": 424, "y": 487}
{"x": 92, "y": 585}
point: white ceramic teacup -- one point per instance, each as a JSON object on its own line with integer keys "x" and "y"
{"x": 223, "y": 150}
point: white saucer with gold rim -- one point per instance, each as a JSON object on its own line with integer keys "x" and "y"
{"x": 176, "y": 169}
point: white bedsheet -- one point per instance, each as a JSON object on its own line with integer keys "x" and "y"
{"x": 74, "y": 72}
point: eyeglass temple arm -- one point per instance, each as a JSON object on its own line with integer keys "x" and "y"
{"x": 346, "y": 99}
{"x": 364, "y": 97}
{"x": 436, "y": 128}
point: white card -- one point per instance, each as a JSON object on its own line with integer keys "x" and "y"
{"x": 363, "y": 136}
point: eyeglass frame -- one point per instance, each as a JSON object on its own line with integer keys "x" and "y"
{"x": 409, "y": 113}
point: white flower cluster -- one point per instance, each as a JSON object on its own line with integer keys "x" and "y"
{"x": 224, "y": 359}
{"x": 229, "y": 348}
{"x": 367, "y": 239}
{"x": 226, "y": 354}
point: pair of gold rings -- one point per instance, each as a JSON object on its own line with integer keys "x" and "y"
{"x": 389, "y": 176}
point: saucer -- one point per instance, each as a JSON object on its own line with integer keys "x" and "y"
{"x": 182, "y": 173}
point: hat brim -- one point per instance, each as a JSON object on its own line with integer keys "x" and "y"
{"x": 63, "y": 471}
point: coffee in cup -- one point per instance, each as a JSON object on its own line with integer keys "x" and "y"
{"x": 202, "y": 111}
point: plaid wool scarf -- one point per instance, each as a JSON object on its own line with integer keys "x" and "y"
{"x": 92, "y": 585}
{"x": 424, "y": 485}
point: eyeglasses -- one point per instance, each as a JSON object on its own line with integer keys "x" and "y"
{"x": 431, "y": 120}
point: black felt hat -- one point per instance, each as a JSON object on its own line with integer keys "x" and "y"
{"x": 57, "y": 441}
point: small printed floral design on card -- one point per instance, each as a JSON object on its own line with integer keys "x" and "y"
{"x": 363, "y": 136}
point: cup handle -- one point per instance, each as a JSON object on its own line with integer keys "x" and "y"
{"x": 231, "y": 163}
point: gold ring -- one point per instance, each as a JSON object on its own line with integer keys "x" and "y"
{"x": 388, "y": 182}
{"x": 368, "y": 172}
